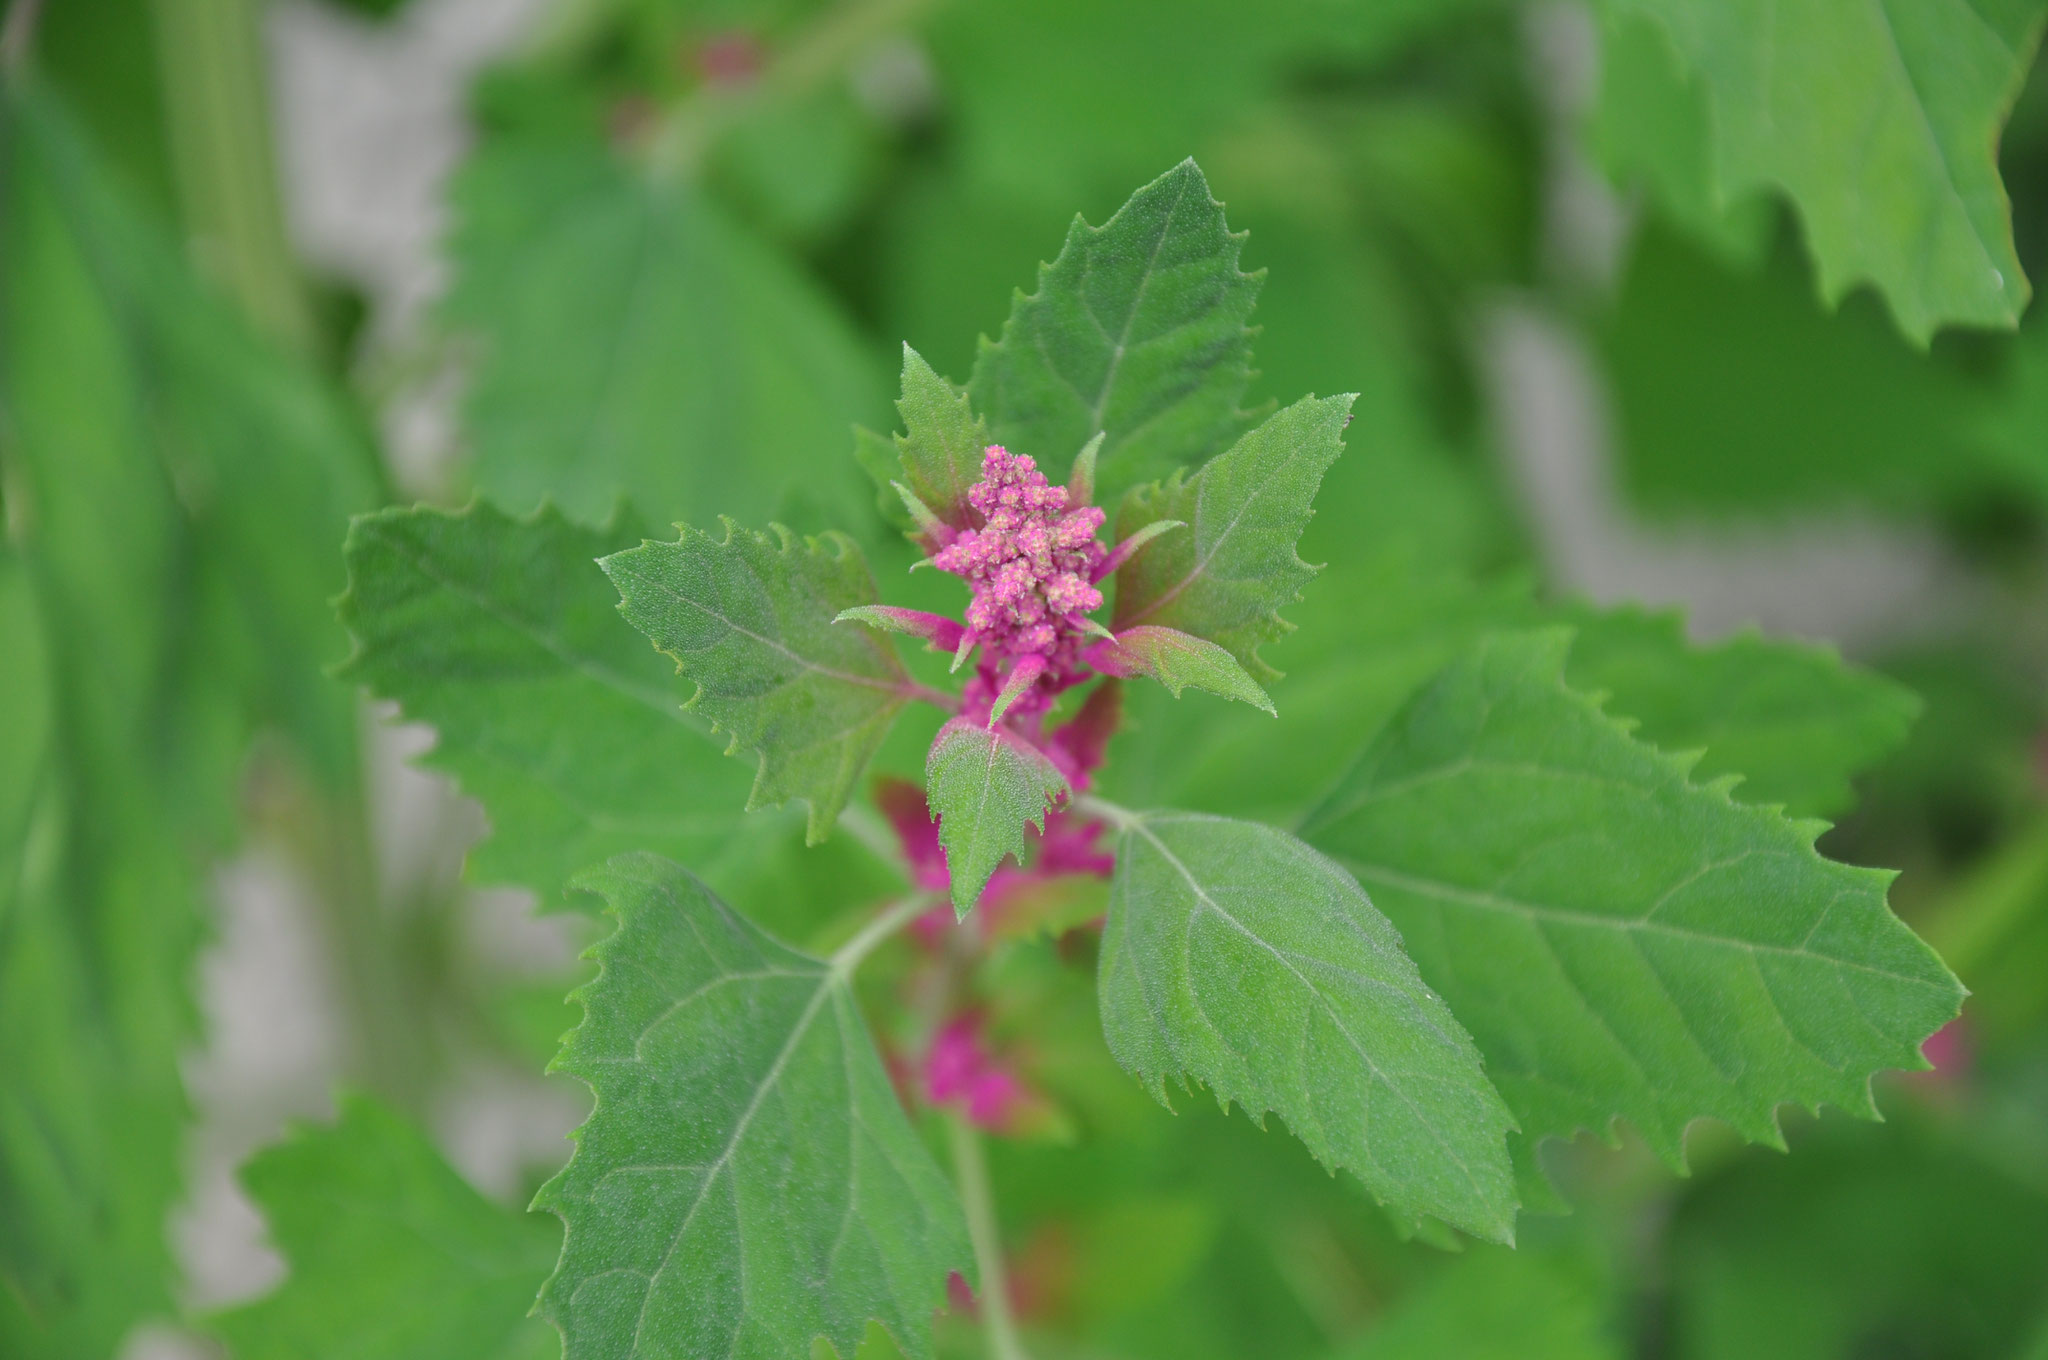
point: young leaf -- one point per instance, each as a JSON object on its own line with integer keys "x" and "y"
{"x": 940, "y": 455}
{"x": 1238, "y": 957}
{"x": 638, "y": 340}
{"x": 1919, "y": 94}
{"x": 985, "y": 784}
{"x": 1137, "y": 331}
{"x": 1621, "y": 942}
{"x": 1228, "y": 575}
{"x": 746, "y": 1181}
{"x": 1177, "y": 660}
{"x": 393, "y": 1256}
{"x": 550, "y": 710}
{"x": 749, "y": 619}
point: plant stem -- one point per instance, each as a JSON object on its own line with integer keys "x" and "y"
{"x": 893, "y": 918}
{"x": 217, "y": 110}
{"x": 1113, "y": 813}
{"x": 970, "y": 1169}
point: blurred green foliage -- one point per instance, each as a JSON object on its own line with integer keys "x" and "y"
{"x": 686, "y": 250}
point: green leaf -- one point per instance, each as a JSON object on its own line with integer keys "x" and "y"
{"x": 634, "y": 339}
{"x": 1178, "y": 660}
{"x": 985, "y": 784}
{"x": 1881, "y": 123}
{"x": 1790, "y": 718}
{"x": 1138, "y": 331}
{"x": 1238, "y": 957}
{"x": 505, "y": 635}
{"x": 1490, "y": 1304}
{"x": 749, "y": 619}
{"x": 1227, "y": 578}
{"x": 393, "y": 1256}
{"x": 939, "y": 456}
{"x": 1621, "y": 942}
{"x": 747, "y": 1180}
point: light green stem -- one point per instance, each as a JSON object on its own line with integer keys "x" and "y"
{"x": 1116, "y": 815}
{"x": 970, "y": 1170}
{"x": 892, "y": 919}
{"x": 217, "y": 112}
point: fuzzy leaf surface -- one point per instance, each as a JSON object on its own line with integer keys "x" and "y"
{"x": 1622, "y": 942}
{"x": 1178, "y": 660}
{"x": 1238, "y": 957}
{"x": 941, "y": 447}
{"x": 393, "y": 1256}
{"x": 549, "y": 709}
{"x": 634, "y": 338}
{"x": 1230, "y": 572}
{"x": 749, "y": 619}
{"x": 746, "y": 1181}
{"x": 1792, "y": 719}
{"x": 1880, "y": 122}
{"x": 1136, "y": 331}
{"x": 985, "y": 784}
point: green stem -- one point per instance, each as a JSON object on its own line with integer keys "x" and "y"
{"x": 893, "y": 918}
{"x": 679, "y": 144}
{"x": 970, "y": 1169}
{"x": 217, "y": 112}
{"x": 1115, "y": 814}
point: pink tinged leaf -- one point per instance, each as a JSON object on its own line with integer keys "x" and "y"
{"x": 960, "y": 652}
{"x": 1081, "y": 481}
{"x": 1177, "y": 660}
{"x": 1080, "y": 743}
{"x": 1124, "y": 551}
{"x": 942, "y": 633}
{"x": 1022, "y": 678}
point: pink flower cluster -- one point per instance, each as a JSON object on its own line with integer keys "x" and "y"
{"x": 1032, "y": 564}
{"x": 961, "y": 1072}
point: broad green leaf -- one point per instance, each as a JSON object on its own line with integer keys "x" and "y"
{"x": 1178, "y": 660}
{"x": 939, "y": 456}
{"x": 1490, "y": 1304}
{"x": 984, "y": 785}
{"x": 1651, "y": 124}
{"x": 1137, "y": 331}
{"x": 1228, "y": 575}
{"x": 392, "y": 1255}
{"x": 1790, "y": 718}
{"x": 1622, "y": 942}
{"x": 1794, "y": 721}
{"x": 1880, "y": 122}
{"x": 747, "y": 1180}
{"x": 634, "y": 339}
{"x": 1238, "y": 957}
{"x": 748, "y": 619}
{"x": 173, "y": 491}
{"x": 505, "y": 635}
